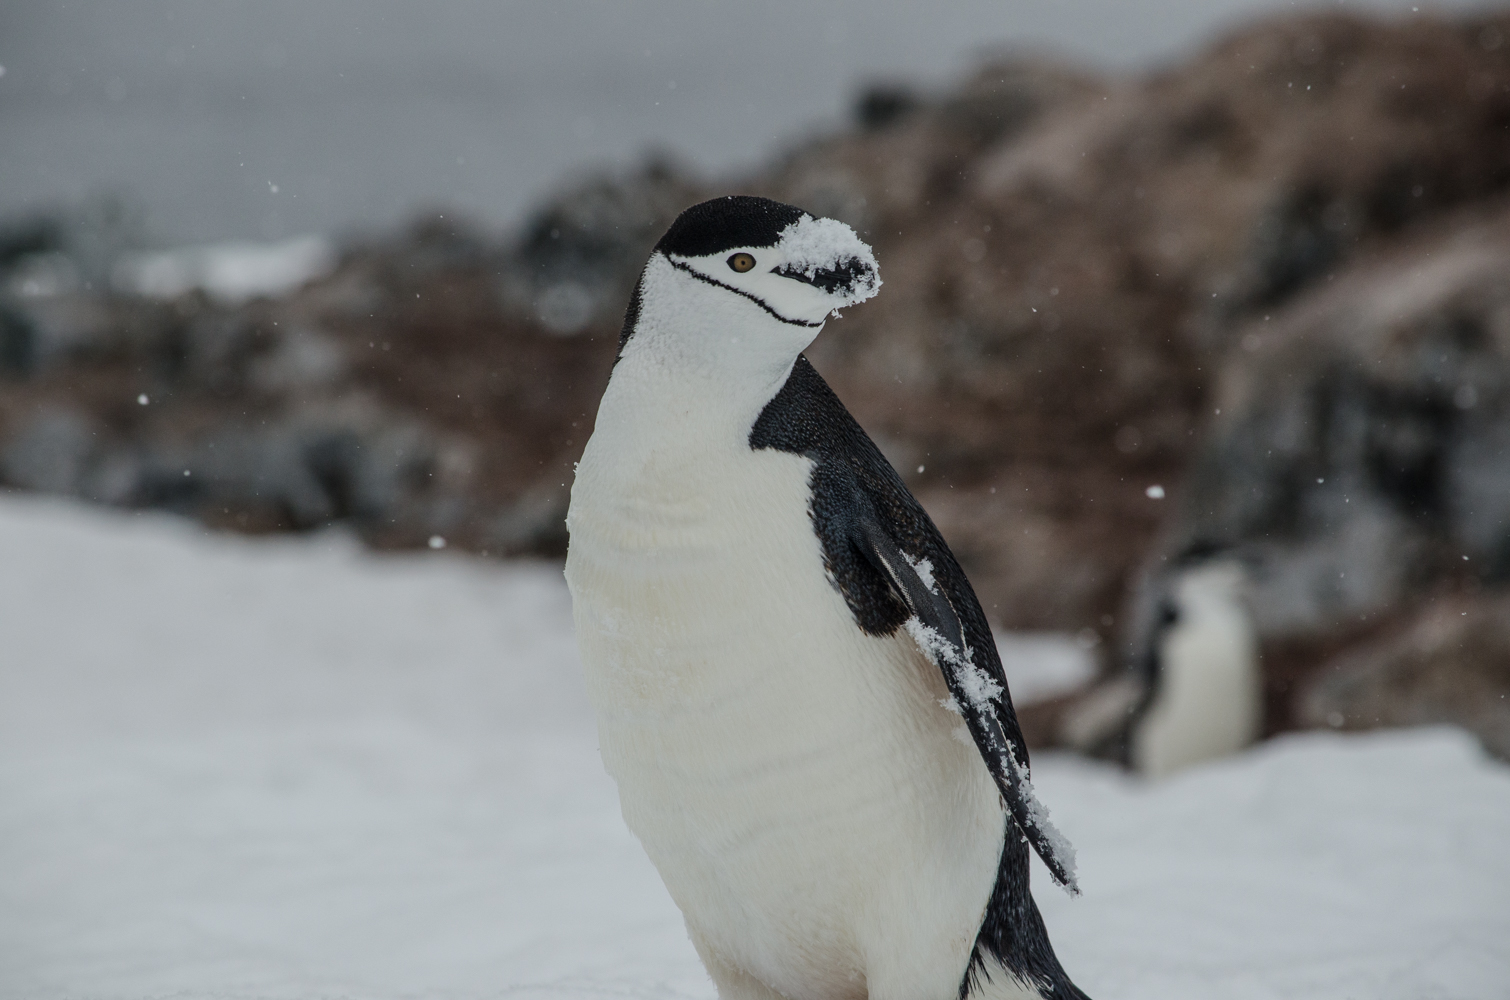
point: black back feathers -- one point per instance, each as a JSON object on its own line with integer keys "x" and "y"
{"x": 738, "y": 220}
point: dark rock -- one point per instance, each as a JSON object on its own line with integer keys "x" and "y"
{"x": 17, "y": 342}
{"x": 881, "y": 105}
{"x": 1447, "y": 663}
{"x": 90, "y": 236}
{"x": 62, "y": 329}
{"x": 29, "y": 237}
{"x": 1360, "y": 438}
{"x": 51, "y": 452}
{"x": 579, "y": 257}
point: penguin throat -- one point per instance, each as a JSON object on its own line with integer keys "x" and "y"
{"x": 694, "y": 331}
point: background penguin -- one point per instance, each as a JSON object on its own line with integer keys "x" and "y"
{"x": 1194, "y": 692}
{"x": 795, "y": 686}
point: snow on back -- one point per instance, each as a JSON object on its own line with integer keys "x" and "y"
{"x": 811, "y": 245}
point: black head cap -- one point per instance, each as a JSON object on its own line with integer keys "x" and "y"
{"x": 738, "y": 220}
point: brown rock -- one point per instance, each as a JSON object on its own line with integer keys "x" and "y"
{"x": 1360, "y": 452}
{"x": 1060, "y": 293}
{"x": 1448, "y": 663}
{"x": 1072, "y": 266}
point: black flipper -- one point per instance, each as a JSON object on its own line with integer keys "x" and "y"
{"x": 977, "y": 691}
{"x": 929, "y": 606}
{"x": 874, "y": 534}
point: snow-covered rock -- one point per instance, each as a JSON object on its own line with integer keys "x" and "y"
{"x": 227, "y": 272}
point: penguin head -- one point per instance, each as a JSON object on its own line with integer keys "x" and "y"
{"x": 749, "y": 277}
{"x": 800, "y": 269}
{"x": 1212, "y": 587}
{"x": 1204, "y": 595}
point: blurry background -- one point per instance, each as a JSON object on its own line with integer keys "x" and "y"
{"x": 1195, "y": 336}
{"x": 360, "y": 113}
{"x": 1162, "y": 289}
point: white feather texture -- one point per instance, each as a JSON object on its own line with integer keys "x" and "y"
{"x": 796, "y": 782}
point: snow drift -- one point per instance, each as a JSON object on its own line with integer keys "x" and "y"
{"x": 287, "y": 769}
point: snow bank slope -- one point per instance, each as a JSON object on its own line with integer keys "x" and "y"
{"x": 286, "y": 769}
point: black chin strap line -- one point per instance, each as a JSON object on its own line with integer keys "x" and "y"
{"x": 739, "y": 291}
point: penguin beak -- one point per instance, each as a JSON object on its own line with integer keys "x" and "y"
{"x": 844, "y": 279}
{"x": 826, "y": 254}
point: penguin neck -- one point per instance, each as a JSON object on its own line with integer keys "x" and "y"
{"x": 701, "y": 362}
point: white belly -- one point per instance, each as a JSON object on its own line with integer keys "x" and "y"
{"x": 1210, "y": 697}
{"x": 807, "y": 801}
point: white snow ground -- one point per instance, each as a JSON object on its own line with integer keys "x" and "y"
{"x": 237, "y": 768}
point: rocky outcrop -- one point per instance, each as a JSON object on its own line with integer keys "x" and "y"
{"x": 403, "y": 394}
{"x": 1360, "y": 445}
{"x": 1449, "y": 662}
{"x": 1064, "y": 290}
{"x": 1358, "y": 455}
{"x": 1252, "y": 305}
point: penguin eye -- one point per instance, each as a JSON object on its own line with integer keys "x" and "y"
{"x": 741, "y": 262}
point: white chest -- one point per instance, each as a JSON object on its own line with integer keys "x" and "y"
{"x": 795, "y": 781}
{"x": 1210, "y": 698}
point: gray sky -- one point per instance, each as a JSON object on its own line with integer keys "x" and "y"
{"x": 288, "y": 116}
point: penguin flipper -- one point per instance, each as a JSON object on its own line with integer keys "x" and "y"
{"x": 977, "y": 690}
{"x": 927, "y": 604}
{"x": 861, "y": 511}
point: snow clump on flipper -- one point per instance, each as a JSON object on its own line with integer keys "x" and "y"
{"x": 981, "y": 691}
{"x": 924, "y": 569}
{"x": 1038, "y": 814}
{"x": 978, "y": 687}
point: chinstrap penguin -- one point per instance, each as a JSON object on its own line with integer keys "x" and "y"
{"x": 796, "y": 688}
{"x": 1194, "y": 690}
{"x": 1205, "y": 690}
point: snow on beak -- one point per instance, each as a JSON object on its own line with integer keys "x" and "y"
{"x": 827, "y": 254}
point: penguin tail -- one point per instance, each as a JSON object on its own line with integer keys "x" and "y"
{"x": 1013, "y": 959}
{"x": 991, "y": 980}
